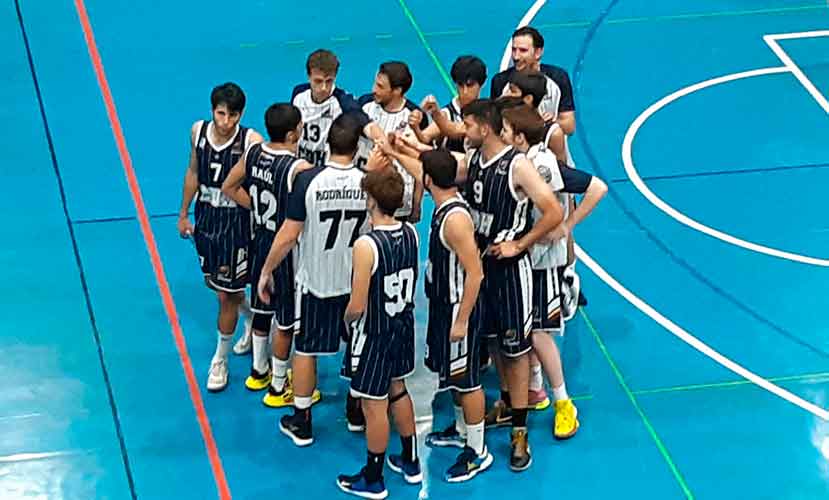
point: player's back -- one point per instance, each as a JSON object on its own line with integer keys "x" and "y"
{"x": 334, "y": 206}
{"x": 445, "y": 275}
{"x": 268, "y": 173}
{"x": 391, "y": 290}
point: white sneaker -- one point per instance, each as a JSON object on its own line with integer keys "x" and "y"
{"x": 245, "y": 342}
{"x": 217, "y": 378}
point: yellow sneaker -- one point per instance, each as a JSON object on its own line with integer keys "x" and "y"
{"x": 285, "y": 398}
{"x": 538, "y": 400}
{"x": 258, "y": 381}
{"x": 566, "y": 422}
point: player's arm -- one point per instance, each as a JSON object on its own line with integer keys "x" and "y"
{"x": 557, "y": 143}
{"x": 463, "y": 166}
{"x": 526, "y": 178}
{"x": 191, "y": 186}
{"x": 580, "y": 182}
{"x": 361, "y": 271}
{"x": 417, "y": 200}
{"x": 232, "y": 186}
{"x": 566, "y": 105}
{"x": 459, "y": 234}
{"x": 567, "y": 122}
{"x": 254, "y": 137}
{"x": 447, "y": 128}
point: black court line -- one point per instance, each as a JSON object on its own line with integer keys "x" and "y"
{"x": 123, "y": 219}
{"x": 716, "y": 173}
{"x": 116, "y": 419}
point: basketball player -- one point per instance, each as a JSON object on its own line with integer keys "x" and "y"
{"x": 381, "y": 350}
{"x": 320, "y": 101}
{"x": 327, "y": 211}
{"x": 525, "y": 130}
{"x": 453, "y": 280}
{"x": 388, "y": 107}
{"x": 530, "y": 86}
{"x": 261, "y": 182}
{"x": 502, "y": 187}
{"x": 469, "y": 75}
{"x": 222, "y": 229}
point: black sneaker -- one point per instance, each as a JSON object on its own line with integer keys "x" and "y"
{"x": 447, "y": 437}
{"x": 298, "y": 428}
{"x": 520, "y": 458}
{"x": 356, "y": 419}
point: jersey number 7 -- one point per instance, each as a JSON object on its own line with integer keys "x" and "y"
{"x": 336, "y": 216}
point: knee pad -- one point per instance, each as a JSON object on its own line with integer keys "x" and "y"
{"x": 262, "y": 322}
{"x": 398, "y": 397}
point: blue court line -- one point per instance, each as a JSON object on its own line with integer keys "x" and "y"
{"x": 581, "y": 133}
{"x": 96, "y": 334}
{"x": 715, "y": 173}
{"x": 125, "y": 218}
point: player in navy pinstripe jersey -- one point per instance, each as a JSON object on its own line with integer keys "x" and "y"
{"x": 381, "y": 349}
{"x": 502, "y": 187}
{"x": 261, "y": 182}
{"x": 222, "y": 229}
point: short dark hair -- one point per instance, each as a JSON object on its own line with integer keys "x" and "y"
{"x": 538, "y": 40}
{"x": 344, "y": 135}
{"x": 230, "y": 95}
{"x": 530, "y": 83}
{"x": 485, "y": 112}
{"x": 386, "y": 187}
{"x": 323, "y": 60}
{"x": 468, "y": 69}
{"x": 280, "y": 119}
{"x": 398, "y": 74}
{"x": 509, "y": 101}
{"x": 526, "y": 120}
{"x": 441, "y": 166}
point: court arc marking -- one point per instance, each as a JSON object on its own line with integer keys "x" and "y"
{"x": 666, "y": 323}
{"x": 642, "y": 187}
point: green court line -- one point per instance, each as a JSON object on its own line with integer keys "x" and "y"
{"x": 446, "y": 78}
{"x": 734, "y": 383}
{"x": 698, "y": 15}
{"x": 659, "y": 444}
{"x": 340, "y": 38}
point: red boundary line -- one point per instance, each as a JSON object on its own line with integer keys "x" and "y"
{"x": 152, "y": 248}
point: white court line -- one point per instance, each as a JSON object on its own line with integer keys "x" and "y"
{"x": 771, "y": 41}
{"x": 639, "y": 183}
{"x": 669, "y": 325}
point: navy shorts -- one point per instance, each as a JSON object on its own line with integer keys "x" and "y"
{"x": 506, "y": 303}
{"x": 319, "y": 328}
{"x": 374, "y": 359}
{"x": 457, "y": 364}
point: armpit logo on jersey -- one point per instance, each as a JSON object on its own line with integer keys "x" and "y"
{"x": 503, "y": 167}
{"x": 545, "y": 173}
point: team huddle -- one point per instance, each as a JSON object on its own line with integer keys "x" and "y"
{"x": 317, "y": 220}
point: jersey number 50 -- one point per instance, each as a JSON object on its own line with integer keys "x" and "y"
{"x": 399, "y": 288}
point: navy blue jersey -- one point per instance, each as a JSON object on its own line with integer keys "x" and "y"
{"x": 267, "y": 179}
{"x": 444, "y": 274}
{"x": 499, "y": 212}
{"x": 216, "y": 214}
{"x": 391, "y": 291}
{"x": 453, "y": 112}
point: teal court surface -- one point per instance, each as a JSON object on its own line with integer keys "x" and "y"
{"x": 700, "y": 365}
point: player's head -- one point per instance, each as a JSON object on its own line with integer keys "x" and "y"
{"x": 439, "y": 169}
{"x": 322, "y": 66}
{"x": 508, "y": 101}
{"x": 228, "y": 102}
{"x": 527, "y": 48}
{"x": 529, "y": 85}
{"x": 344, "y": 135}
{"x": 393, "y": 80}
{"x": 284, "y": 123}
{"x": 522, "y": 127}
{"x": 469, "y": 75}
{"x": 384, "y": 188}
{"x": 482, "y": 120}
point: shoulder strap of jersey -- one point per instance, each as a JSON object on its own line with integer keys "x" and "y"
{"x": 202, "y": 131}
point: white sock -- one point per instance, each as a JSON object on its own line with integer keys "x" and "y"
{"x": 560, "y": 392}
{"x": 302, "y": 402}
{"x": 244, "y": 307}
{"x": 475, "y": 437}
{"x": 280, "y": 373}
{"x": 260, "y": 353}
{"x": 223, "y": 346}
{"x": 460, "y": 424}
{"x": 536, "y": 379}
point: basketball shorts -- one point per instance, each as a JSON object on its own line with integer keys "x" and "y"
{"x": 506, "y": 304}
{"x": 319, "y": 327}
{"x": 457, "y": 364}
{"x": 547, "y": 300}
{"x": 374, "y": 359}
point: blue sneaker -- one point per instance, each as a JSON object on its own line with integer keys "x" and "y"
{"x": 409, "y": 470}
{"x": 358, "y": 486}
{"x": 447, "y": 437}
{"x": 468, "y": 465}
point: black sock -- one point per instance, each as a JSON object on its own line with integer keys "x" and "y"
{"x": 506, "y": 399}
{"x": 519, "y": 417}
{"x": 409, "y": 448}
{"x": 353, "y": 411}
{"x": 305, "y": 412}
{"x": 374, "y": 466}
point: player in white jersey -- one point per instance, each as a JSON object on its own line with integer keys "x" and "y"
{"x": 388, "y": 107}
{"x": 321, "y": 102}
{"x": 327, "y": 212}
{"x": 524, "y": 128}
{"x": 469, "y": 75}
{"x": 222, "y": 228}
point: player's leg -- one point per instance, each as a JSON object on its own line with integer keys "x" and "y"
{"x": 475, "y": 457}
{"x": 407, "y": 462}
{"x": 368, "y": 483}
{"x": 280, "y": 394}
{"x": 260, "y": 372}
{"x": 299, "y": 426}
{"x": 537, "y": 399}
{"x": 566, "y": 419}
{"x": 228, "y": 317}
{"x": 245, "y": 342}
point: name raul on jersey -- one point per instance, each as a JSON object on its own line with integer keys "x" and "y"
{"x": 345, "y": 193}
{"x": 262, "y": 174}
